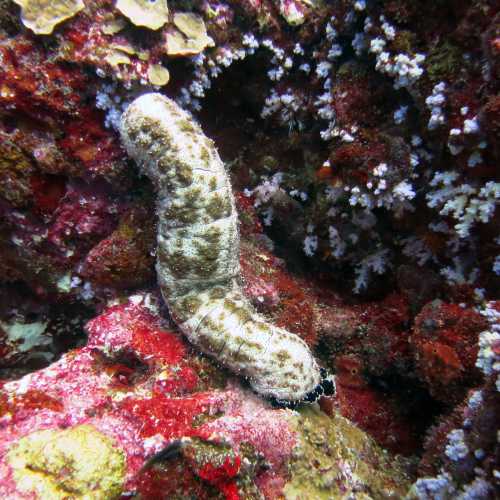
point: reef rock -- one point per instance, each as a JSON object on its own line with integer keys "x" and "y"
{"x": 362, "y": 141}
{"x": 126, "y": 412}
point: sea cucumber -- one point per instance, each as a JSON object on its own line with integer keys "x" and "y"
{"x": 198, "y": 254}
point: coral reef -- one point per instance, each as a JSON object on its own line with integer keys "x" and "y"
{"x": 361, "y": 140}
{"x": 135, "y": 406}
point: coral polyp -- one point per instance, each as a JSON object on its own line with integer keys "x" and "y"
{"x": 198, "y": 253}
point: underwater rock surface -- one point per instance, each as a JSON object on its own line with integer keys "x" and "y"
{"x": 362, "y": 142}
{"x": 89, "y": 423}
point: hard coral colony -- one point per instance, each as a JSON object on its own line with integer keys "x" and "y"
{"x": 344, "y": 216}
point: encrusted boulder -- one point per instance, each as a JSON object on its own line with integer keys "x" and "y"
{"x": 136, "y": 404}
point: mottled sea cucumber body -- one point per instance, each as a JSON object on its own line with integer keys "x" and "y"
{"x": 198, "y": 252}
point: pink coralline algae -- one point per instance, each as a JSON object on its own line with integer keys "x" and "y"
{"x": 361, "y": 140}
{"x": 141, "y": 386}
{"x": 136, "y": 383}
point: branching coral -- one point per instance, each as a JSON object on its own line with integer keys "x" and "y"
{"x": 198, "y": 250}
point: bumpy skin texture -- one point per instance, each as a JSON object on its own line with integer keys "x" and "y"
{"x": 198, "y": 252}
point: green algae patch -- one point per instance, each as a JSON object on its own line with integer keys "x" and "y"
{"x": 80, "y": 463}
{"x": 334, "y": 459}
